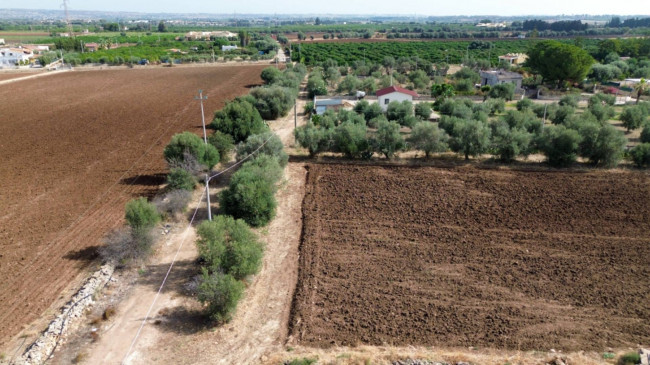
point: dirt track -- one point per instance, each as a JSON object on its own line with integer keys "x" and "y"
{"x": 76, "y": 147}
{"x": 469, "y": 257}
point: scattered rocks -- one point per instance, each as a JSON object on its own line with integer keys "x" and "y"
{"x": 558, "y": 360}
{"x": 69, "y": 317}
{"x": 645, "y": 356}
{"x": 421, "y": 362}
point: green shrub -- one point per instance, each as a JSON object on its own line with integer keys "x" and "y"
{"x": 524, "y": 104}
{"x": 602, "y": 145}
{"x": 273, "y": 102}
{"x": 495, "y": 105}
{"x": 239, "y": 118}
{"x": 633, "y": 117}
{"x": 423, "y": 111}
{"x": 641, "y": 154}
{"x": 229, "y": 245}
{"x": 221, "y": 293}
{"x": 470, "y": 137}
{"x": 601, "y": 112}
{"x": 303, "y": 361}
{"x": 250, "y": 197}
{"x": 399, "y": 112}
{"x": 645, "y": 133}
{"x": 180, "y": 179}
{"x": 173, "y": 202}
{"x": 224, "y": 143}
{"x": 255, "y": 145}
{"x": 560, "y": 145}
{"x": 271, "y": 75}
{"x": 189, "y": 142}
{"x": 563, "y": 114}
{"x": 350, "y": 139}
{"x": 630, "y": 358}
{"x": 502, "y": 91}
{"x": 388, "y": 140}
{"x": 125, "y": 245}
{"x": 510, "y": 142}
{"x": 569, "y": 100}
{"x": 427, "y": 137}
{"x": 314, "y": 139}
{"x": 140, "y": 214}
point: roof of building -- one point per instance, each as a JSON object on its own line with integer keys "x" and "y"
{"x": 501, "y": 74}
{"x": 393, "y": 89}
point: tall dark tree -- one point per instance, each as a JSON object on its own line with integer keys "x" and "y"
{"x": 559, "y": 62}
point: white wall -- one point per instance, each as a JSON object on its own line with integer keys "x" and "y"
{"x": 394, "y": 96}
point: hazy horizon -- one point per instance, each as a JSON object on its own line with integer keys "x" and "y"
{"x": 340, "y": 7}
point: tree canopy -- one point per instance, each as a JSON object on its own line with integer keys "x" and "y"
{"x": 559, "y": 62}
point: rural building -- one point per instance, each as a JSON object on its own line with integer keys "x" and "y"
{"x": 501, "y": 77}
{"x": 12, "y": 56}
{"x": 514, "y": 58}
{"x": 192, "y": 36}
{"x": 394, "y": 93}
{"x": 228, "y": 48}
{"x": 2, "y": 41}
{"x": 323, "y": 105}
{"x": 91, "y": 47}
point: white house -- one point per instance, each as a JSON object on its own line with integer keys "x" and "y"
{"x": 12, "y": 56}
{"x": 228, "y": 48}
{"x": 394, "y": 93}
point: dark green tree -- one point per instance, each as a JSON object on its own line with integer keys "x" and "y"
{"x": 427, "y": 137}
{"x": 559, "y": 62}
{"x": 470, "y": 137}
{"x": 220, "y": 293}
{"x": 388, "y": 140}
{"x": 184, "y": 142}
{"x": 239, "y": 118}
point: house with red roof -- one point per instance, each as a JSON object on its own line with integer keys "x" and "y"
{"x": 394, "y": 93}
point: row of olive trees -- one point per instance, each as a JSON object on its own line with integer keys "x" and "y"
{"x": 229, "y": 250}
{"x": 466, "y": 128}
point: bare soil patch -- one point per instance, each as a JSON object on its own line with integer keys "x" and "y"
{"x": 75, "y": 148}
{"x": 469, "y": 257}
{"x": 14, "y": 75}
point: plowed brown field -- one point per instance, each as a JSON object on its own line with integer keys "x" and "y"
{"x": 470, "y": 257}
{"x": 75, "y": 147}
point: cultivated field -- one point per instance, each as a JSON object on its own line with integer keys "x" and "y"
{"x": 469, "y": 257}
{"x": 75, "y": 147}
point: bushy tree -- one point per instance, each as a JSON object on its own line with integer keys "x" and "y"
{"x": 608, "y": 147}
{"x": 399, "y": 111}
{"x": 427, "y": 137}
{"x": 502, "y": 91}
{"x": 645, "y": 133}
{"x": 180, "y": 179}
{"x": 559, "y": 62}
{"x": 470, "y": 137}
{"x": 388, "y": 140}
{"x": 140, "y": 214}
{"x": 633, "y": 117}
{"x": 239, "y": 118}
{"x": 184, "y": 142}
{"x": 569, "y": 100}
{"x": 601, "y": 112}
{"x": 220, "y": 293}
{"x": 230, "y": 246}
{"x": 224, "y": 143}
{"x": 560, "y": 145}
{"x": 349, "y": 84}
{"x": 350, "y": 139}
{"x": 423, "y": 111}
{"x": 271, "y": 75}
{"x": 369, "y": 110}
{"x": 495, "y": 106}
{"x": 315, "y": 139}
{"x": 563, "y": 114}
{"x": 602, "y": 98}
{"x": 641, "y": 154}
{"x": 250, "y": 197}
{"x": 510, "y": 142}
{"x": 273, "y": 102}
{"x": 524, "y": 104}
{"x": 266, "y": 143}
{"x": 316, "y": 86}
{"x": 442, "y": 91}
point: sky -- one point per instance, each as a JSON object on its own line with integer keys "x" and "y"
{"x": 369, "y": 7}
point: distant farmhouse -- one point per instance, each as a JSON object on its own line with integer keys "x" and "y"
{"x": 492, "y": 25}
{"x": 514, "y": 58}
{"x": 13, "y": 56}
{"x": 194, "y": 36}
{"x": 501, "y": 77}
{"x": 228, "y": 48}
{"x": 394, "y": 93}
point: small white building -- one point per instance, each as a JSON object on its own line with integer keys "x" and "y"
{"x": 12, "y": 56}
{"x": 2, "y": 41}
{"x": 228, "y": 48}
{"x": 394, "y": 93}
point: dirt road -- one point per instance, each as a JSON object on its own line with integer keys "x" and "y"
{"x": 176, "y": 332}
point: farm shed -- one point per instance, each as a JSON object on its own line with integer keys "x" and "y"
{"x": 228, "y": 48}
{"x": 322, "y": 105}
{"x": 514, "y": 58}
{"x": 394, "y": 93}
{"x": 501, "y": 77}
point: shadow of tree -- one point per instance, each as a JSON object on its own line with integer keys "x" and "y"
{"x": 181, "y": 320}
